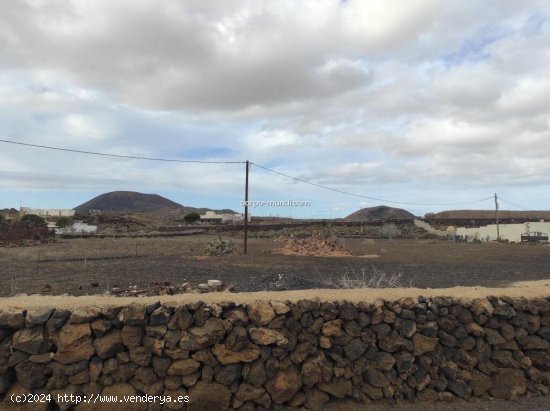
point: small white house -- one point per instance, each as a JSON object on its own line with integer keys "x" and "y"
{"x": 211, "y": 217}
{"x": 509, "y": 232}
{"x": 228, "y": 218}
{"x": 77, "y": 228}
{"x": 47, "y": 212}
{"x": 234, "y": 218}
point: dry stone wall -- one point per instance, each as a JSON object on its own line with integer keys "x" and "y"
{"x": 278, "y": 355}
{"x": 22, "y": 232}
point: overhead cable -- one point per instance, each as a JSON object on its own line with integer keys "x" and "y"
{"x": 172, "y": 160}
{"x": 364, "y": 196}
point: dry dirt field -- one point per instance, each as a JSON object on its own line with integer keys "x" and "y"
{"x": 73, "y": 266}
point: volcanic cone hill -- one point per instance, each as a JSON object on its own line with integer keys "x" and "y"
{"x": 380, "y": 213}
{"x": 132, "y": 202}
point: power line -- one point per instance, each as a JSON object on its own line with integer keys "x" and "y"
{"x": 513, "y": 204}
{"x": 238, "y": 162}
{"x": 366, "y": 197}
{"x": 119, "y": 155}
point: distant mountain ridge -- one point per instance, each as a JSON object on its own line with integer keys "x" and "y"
{"x": 380, "y": 213}
{"x": 489, "y": 214}
{"x": 133, "y": 202}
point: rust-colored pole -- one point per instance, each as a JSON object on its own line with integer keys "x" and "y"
{"x": 246, "y": 208}
{"x": 496, "y": 217}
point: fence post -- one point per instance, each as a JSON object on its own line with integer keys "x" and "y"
{"x": 37, "y": 261}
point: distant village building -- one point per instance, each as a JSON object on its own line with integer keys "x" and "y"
{"x": 77, "y": 228}
{"x": 508, "y": 232}
{"x": 213, "y": 217}
{"x": 47, "y": 212}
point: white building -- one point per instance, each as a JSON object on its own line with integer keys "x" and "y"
{"x": 213, "y": 217}
{"x": 77, "y": 228}
{"x": 47, "y": 212}
{"x": 510, "y": 232}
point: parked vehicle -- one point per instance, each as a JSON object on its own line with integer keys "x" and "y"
{"x": 534, "y": 237}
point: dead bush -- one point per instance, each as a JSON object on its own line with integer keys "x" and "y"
{"x": 365, "y": 278}
{"x": 220, "y": 247}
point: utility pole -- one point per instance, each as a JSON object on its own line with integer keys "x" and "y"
{"x": 496, "y": 217}
{"x": 361, "y": 219}
{"x": 246, "y": 208}
{"x": 362, "y": 205}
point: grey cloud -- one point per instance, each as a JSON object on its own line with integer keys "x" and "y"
{"x": 202, "y": 57}
{"x": 424, "y": 88}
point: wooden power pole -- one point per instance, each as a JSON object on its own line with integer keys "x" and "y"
{"x": 246, "y": 208}
{"x": 496, "y": 217}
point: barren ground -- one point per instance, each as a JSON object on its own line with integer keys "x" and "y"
{"x": 432, "y": 266}
{"x": 72, "y": 266}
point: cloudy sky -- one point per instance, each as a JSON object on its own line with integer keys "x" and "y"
{"x": 418, "y": 101}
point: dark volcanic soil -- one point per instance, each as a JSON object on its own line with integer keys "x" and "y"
{"x": 71, "y": 266}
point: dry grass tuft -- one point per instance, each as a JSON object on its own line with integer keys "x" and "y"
{"x": 365, "y": 279}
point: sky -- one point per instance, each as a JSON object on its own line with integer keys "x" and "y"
{"x": 419, "y": 102}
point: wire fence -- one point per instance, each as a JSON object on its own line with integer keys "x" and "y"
{"x": 97, "y": 266}
{"x": 94, "y": 263}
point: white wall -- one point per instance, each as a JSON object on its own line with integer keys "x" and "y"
{"x": 46, "y": 212}
{"x": 510, "y": 232}
{"x": 77, "y": 228}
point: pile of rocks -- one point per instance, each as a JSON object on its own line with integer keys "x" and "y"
{"x": 313, "y": 246}
{"x": 280, "y": 355}
{"x": 166, "y": 288}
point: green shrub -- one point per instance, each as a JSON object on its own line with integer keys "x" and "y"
{"x": 33, "y": 218}
{"x": 62, "y": 222}
{"x": 191, "y": 218}
{"x": 220, "y": 247}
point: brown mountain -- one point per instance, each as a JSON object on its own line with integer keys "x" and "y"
{"x": 380, "y": 213}
{"x": 489, "y": 214}
{"x": 118, "y": 202}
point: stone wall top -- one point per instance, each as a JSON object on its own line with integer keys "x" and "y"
{"x": 535, "y": 289}
{"x": 278, "y": 355}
